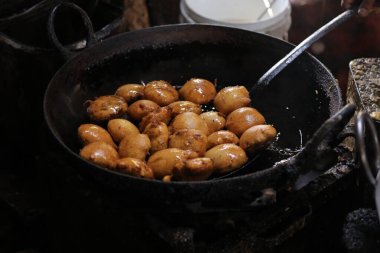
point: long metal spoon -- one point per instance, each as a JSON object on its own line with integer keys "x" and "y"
{"x": 280, "y": 65}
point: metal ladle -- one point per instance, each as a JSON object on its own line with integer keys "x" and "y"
{"x": 292, "y": 55}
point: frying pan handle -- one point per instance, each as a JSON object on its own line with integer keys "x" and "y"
{"x": 363, "y": 120}
{"x": 329, "y": 135}
{"x": 65, "y": 51}
{"x": 319, "y": 152}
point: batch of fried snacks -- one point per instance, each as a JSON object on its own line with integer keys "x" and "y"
{"x": 156, "y": 131}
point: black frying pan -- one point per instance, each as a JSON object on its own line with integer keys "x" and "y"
{"x": 297, "y": 101}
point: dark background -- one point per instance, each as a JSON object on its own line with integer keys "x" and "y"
{"x": 26, "y": 189}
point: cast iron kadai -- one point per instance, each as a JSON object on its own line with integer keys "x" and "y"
{"x": 297, "y": 102}
{"x": 366, "y": 132}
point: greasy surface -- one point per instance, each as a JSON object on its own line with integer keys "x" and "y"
{"x": 130, "y": 92}
{"x": 239, "y": 120}
{"x": 231, "y": 98}
{"x": 198, "y": 90}
{"x": 106, "y": 107}
{"x": 158, "y": 134}
{"x": 119, "y": 128}
{"x": 135, "y": 146}
{"x": 134, "y": 167}
{"x": 189, "y": 120}
{"x": 189, "y": 139}
{"x": 221, "y": 137}
{"x": 227, "y": 157}
{"x": 184, "y": 106}
{"x": 195, "y": 169}
{"x": 161, "y": 92}
{"x": 141, "y": 108}
{"x": 257, "y": 137}
{"x": 214, "y": 120}
{"x": 88, "y": 133}
{"x": 100, "y": 153}
{"x": 161, "y": 114}
{"x": 165, "y": 161}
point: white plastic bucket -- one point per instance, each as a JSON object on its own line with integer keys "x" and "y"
{"x": 271, "y": 17}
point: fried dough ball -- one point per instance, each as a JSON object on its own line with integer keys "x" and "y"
{"x": 243, "y": 118}
{"x": 214, "y": 120}
{"x": 221, "y": 137}
{"x": 167, "y": 178}
{"x": 89, "y": 133}
{"x": 106, "y": 107}
{"x": 227, "y": 157}
{"x": 141, "y": 108}
{"x": 194, "y": 145}
{"x": 135, "y": 146}
{"x": 189, "y": 120}
{"x": 165, "y": 161}
{"x": 184, "y": 106}
{"x": 257, "y": 137}
{"x": 199, "y": 91}
{"x": 158, "y": 134}
{"x": 134, "y": 167}
{"x": 100, "y": 153}
{"x": 119, "y": 128}
{"x": 161, "y": 114}
{"x": 161, "y": 92}
{"x": 189, "y": 139}
{"x": 130, "y": 92}
{"x": 231, "y": 98}
{"x": 195, "y": 169}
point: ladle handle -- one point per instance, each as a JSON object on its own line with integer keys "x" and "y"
{"x": 280, "y": 65}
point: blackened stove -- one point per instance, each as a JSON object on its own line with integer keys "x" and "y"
{"x": 51, "y": 208}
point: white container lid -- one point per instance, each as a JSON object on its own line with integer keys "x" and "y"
{"x": 249, "y": 14}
